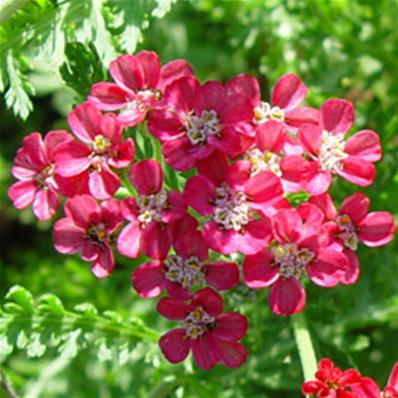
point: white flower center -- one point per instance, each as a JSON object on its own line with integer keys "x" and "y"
{"x": 347, "y": 232}
{"x": 45, "y": 177}
{"x": 187, "y": 272}
{"x": 232, "y": 210}
{"x": 142, "y": 101}
{"x": 150, "y": 207}
{"x": 263, "y": 161}
{"x": 291, "y": 260}
{"x": 197, "y": 323}
{"x": 264, "y": 112}
{"x": 200, "y": 127}
{"x": 332, "y": 151}
{"x": 101, "y": 144}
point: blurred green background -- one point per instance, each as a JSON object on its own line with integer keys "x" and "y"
{"x": 341, "y": 48}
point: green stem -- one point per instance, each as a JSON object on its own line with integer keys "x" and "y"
{"x": 304, "y": 346}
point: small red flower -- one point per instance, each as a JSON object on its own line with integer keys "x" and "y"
{"x": 211, "y": 335}
{"x": 88, "y": 229}
{"x": 140, "y": 84}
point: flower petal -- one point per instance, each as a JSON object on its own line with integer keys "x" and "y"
{"x": 147, "y": 177}
{"x": 22, "y": 193}
{"x": 108, "y": 96}
{"x": 310, "y": 138}
{"x": 393, "y": 379}
{"x": 82, "y": 209}
{"x": 151, "y": 67}
{"x": 325, "y": 203}
{"x": 364, "y": 144}
{"x": 198, "y": 193}
{"x": 221, "y": 240}
{"x": 222, "y": 275}
{"x": 174, "y": 346}
{"x": 232, "y": 354}
{"x": 155, "y": 241}
{"x": 214, "y": 167}
{"x": 297, "y": 117}
{"x": 129, "y": 240}
{"x": 209, "y": 300}
{"x": 263, "y": 187}
{"x": 103, "y": 265}
{"x": 205, "y": 354}
{"x": 103, "y": 184}
{"x": 357, "y": 171}
{"x": 352, "y": 273}
{"x": 270, "y": 136}
{"x": 258, "y": 270}
{"x": 173, "y": 71}
{"x": 286, "y": 297}
{"x": 288, "y": 92}
{"x": 85, "y": 121}
{"x": 181, "y": 94}
{"x": 72, "y": 159}
{"x": 172, "y": 309}
{"x": 246, "y": 86}
{"x": 376, "y": 229}
{"x": 254, "y": 237}
{"x": 128, "y": 73}
{"x": 286, "y": 224}
{"x": 148, "y": 279}
{"x": 336, "y": 116}
{"x": 355, "y": 206}
{"x": 53, "y": 140}
{"x": 178, "y": 153}
{"x": 45, "y": 204}
{"x": 68, "y": 237}
{"x": 230, "y": 326}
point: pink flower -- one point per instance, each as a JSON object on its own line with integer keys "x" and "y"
{"x": 197, "y": 119}
{"x": 150, "y": 215}
{"x": 102, "y": 150}
{"x": 234, "y": 203}
{"x": 179, "y": 272}
{"x": 211, "y": 335}
{"x": 140, "y": 84}
{"x": 391, "y": 390}
{"x": 332, "y": 154}
{"x": 38, "y": 183}
{"x": 352, "y": 224}
{"x": 283, "y": 108}
{"x": 299, "y": 250}
{"x": 88, "y": 229}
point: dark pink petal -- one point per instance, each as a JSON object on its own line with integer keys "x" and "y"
{"x": 214, "y": 167}
{"x": 325, "y": 203}
{"x": 288, "y": 92}
{"x": 210, "y": 96}
{"x": 72, "y": 158}
{"x": 123, "y": 155}
{"x": 270, "y": 136}
{"x": 219, "y": 239}
{"x": 34, "y": 151}
{"x": 235, "y": 109}
{"x": 128, "y": 73}
{"x": 318, "y": 182}
{"x": 199, "y": 193}
{"x": 173, "y": 71}
{"x": 151, "y": 67}
{"x": 89, "y": 250}
{"x": 393, "y": 379}
{"x": 364, "y": 144}
{"x": 129, "y": 240}
{"x": 246, "y": 86}
{"x": 22, "y": 193}
{"x": 311, "y": 387}
{"x": 147, "y": 177}
{"x": 111, "y": 129}
{"x": 286, "y": 224}
{"x": 376, "y": 229}
{"x": 228, "y": 140}
{"x": 286, "y": 297}
{"x": 174, "y": 346}
{"x": 68, "y": 237}
{"x": 108, "y": 96}
{"x": 189, "y": 242}
{"x": 85, "y": 121}
{"x": 53, "y": 140}
{"x": 180, "y": 95}
{"x": 232, "y": 354}
{"x": 148, "y": 279}
{"x": 352, "y": 273}
{"x": 176, "y": 291}
{"x": 300, "y": 116}
{"x": 263, "y": 187}
{"x": 209, "y": 300}
{"x": 204, "y": 352}
{"x": 294, "y": 169}
{"x": 310, "y": 214}
{"x": 103, "y": 184}
{"x": 175, "y": 209}
{"x": 155, "y": 241}
{"x": 328, "y": 269}
{"x": 254, "y": 237}
{"x": 71, "y": 186}
{"x": 83, "y": 210}
{"x": 230, "y": 326}
{"x": 134, "y": 114}
{"x": 172, "y": 309}
{"x": 336, "y": 116}
{"x": 22, "y": 172}
{"x": 103, "y": 265}
{"x": 222, "y": 275}
{"x": 238, "y": 174}
{"x": 111, "y": 214}
{"x": 259, "y": 270}
{"x": 310, "y": 138}
{"x": 367, "y": 388}
{"x": 178, "y": 154}
{"x": 165, "y": 125}
{"x": 129, "y": 209}
{"x": 45, "y": 204}
{"x": 356, "y": 207}
{"x": 357, "y": 171}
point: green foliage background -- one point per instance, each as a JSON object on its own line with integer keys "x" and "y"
{"x": 52, "y": 345}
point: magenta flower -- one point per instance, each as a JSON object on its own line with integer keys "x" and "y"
{"x": 300, "y": 249}
{"x": 38, "y": 182}
{"x": 211, "y": 335}
{"x": 150, "y": 215}
{"x": 89, "y": 229}
{"x": 332, "y": 154}
{"x": 235, "y": 204}
{"x": 391, "y": 390}
{"x": 140, "y": 84}
{"x": 101, "y": 150}
{"x": 352, "y": 224}
{"x": 179, "y": 272}
{"x": 197, "y": 119}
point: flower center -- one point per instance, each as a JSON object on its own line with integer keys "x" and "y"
{"x": 200, "y": 127}
{"x": 263, "y": 161}
{"x": 187, "y": 272}
{"x": 197, "y": 322}
{"x": 97, "y": 233}
{"x": 44, "y": 175}
{"x": 232, "y": 210}
{"x": 143, "y": 100}
{"x": 150, "y": 207}
{"x": 101, "y": 144}
{"x": 264, "y": 112}
{"x": 291, "y": 260}
{"x": 347, "y": 232}
{"x": 332, "y": 151}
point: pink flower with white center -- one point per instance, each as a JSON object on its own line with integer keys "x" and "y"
{"x": 283, "y": 108}
{"x": 185, "y": 269}
{"x": 197, "y": 119}
{"x": 140, "y": 84}
{"x": 325, "y": 143}
{"x": 352, "y": 224}
{"x": 212, "y": 336}
{"x": 89, "y": 229}
{"x": 150, "y": 215}
{"x": 38, "y": 183}
{"x": 235, "y": 205}
{"x": 101, "y": 150}
{"x": 299, "y": 250}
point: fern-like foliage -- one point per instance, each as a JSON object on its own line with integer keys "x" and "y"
{"x": 38, "y": 325}
{"x": 39, "y": 31}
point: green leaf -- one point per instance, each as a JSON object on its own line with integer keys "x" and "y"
{"x": 22, "y": 297}
{"x": 162, "y": 8}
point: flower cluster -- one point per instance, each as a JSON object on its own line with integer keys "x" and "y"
{"x": 245, "y": 158}
{"x": 332, "y": 382}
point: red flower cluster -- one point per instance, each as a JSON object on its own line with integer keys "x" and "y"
{"x": 244, "y": 156}
{"x": 332, "y": 382}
